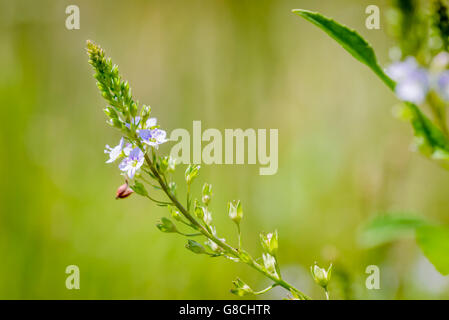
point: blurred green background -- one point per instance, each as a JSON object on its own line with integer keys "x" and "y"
{"x": 343, "y": 158}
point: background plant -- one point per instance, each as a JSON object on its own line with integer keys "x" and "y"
{"x": 422, "y": 80}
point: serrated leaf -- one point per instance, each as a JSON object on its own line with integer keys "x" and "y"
{"x": 349, "y": 39}
{"x": 387, "y": 228}
{"x": 434, "y": 242}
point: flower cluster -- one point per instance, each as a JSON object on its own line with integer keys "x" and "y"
{"x": 415, "y": 82}
{"x": 149, "y": 134}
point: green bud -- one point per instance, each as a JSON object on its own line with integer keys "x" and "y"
{"x": 321, "y": 275}
{"x": 166, "y": 226}
{"x": 191, "y": 173}
{"x": 269, "y": 242}
{"x": 110, "y": 112}
{"x": 133, "y": 109}
{"x": 235, "y": 211}
{"x": 115, "y": 122}
{"x": 172, "y": 186}
{"x": 171, "y": 164}
{"x": 195, "y": 247}
{"x": 174, "y": 213}
{"x": 198, "y": 210}
{"x": 245, "y": 257}
{"x": 145, "y": 113}
{"x": 241, "y": 288}
{"x": 207, "y": 194}
{"x": 163, "y": 164}
{"x": 270, "y": 263}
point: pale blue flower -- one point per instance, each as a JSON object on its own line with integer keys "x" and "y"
{"x": 134, "y": 121}
{"x": 153, "y": 137}
{"x": 117, "y": 151}
{"x": 151, "y": 122}
{"x": 132, "y": 163}
{"x": 412, "y": 82}
{"x": 442, "y": 85}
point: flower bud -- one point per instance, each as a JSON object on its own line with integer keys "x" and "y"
{"x": 191, "y": 173}
{"x": 163, "y": 164}
{"x": 174, "y": 213}
{"x": 198, "y": 210}
{"x": 110, "y": 112}
{"x": 171, "y": 164}
{"x": 269, "y": 242}
{"x": 320, "y": 275}
{"x": 195, "y": 247}
{"x": 123, "y": 191}
{"x": 145, "y": 113}
{"x": 270, "y": 263}
{"x": 165, "y": 225}
{"x": 241, "y": 288}
{"x": 207, "y": 193}
{"x": 235, "y": 211}
{"x": 115, "y": 122}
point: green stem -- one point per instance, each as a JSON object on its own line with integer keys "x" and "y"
{"x": 266, "y": 289}
{"x": 234, "y": 252}
{"x": 327, "y": 293}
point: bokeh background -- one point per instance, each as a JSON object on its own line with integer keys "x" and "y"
{"x": 343, "y": 157}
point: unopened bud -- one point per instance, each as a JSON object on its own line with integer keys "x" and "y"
{"x": 269, "y": 242}
{"x": 195, "y": 247}
{"x": 207, "y": 193}
{"x": 241, "y": 288}
{"x": 235, "y": 211}
{"x": 123, "y": 191}
{"x": 321, "y": 275}
{"x": 166, "y": 226}
{"x": 191, "y": 173}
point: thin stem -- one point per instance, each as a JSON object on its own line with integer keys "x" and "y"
{"x": 266, "y": 289}
{"x": 190, "y": 234}
{"x": 327, "y": 293}
{"x": 240, "y": 236}
{"x": 158, "y": 201}
{"x": 229, "y": 249}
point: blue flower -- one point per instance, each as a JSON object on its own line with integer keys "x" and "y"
{"x": 412, "y": 81}
{"x": 151, "y": 122}
{"x": 118, "y": 151}
{"x": 153, "y": 137}
{"x": 132, "y": 163}
{"x": 442, "y": 86}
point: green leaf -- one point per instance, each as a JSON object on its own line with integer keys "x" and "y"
{"x": 434, "y": 242}
{"x": 386, "y": 228}
{"x": 349, "y": 39}
{"x": 431, "y": 140}
{"x": 139, "y": 188}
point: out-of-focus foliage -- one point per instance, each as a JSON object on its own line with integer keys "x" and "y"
{"x": 230, "y": 64}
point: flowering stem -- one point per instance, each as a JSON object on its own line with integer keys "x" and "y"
{"x": 229, "y": 249}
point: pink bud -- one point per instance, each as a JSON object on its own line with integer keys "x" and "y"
{"x": 123, "y": 191}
